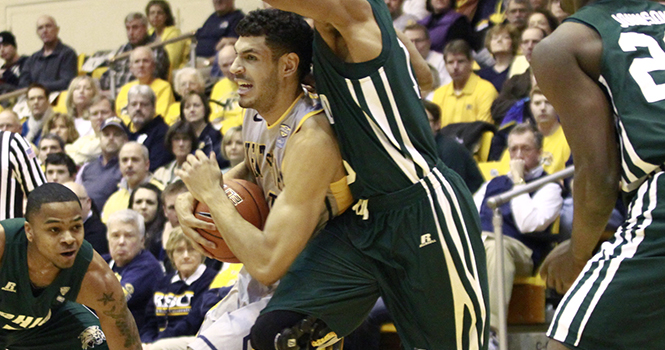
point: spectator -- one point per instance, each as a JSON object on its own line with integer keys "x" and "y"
{"x": 50, "y": 143}
{"x": 467, "y": 98}
{"x": 169, "y": 312}
{"x": 502, "y": 41}
{"x": 94, "y": 229}
{"x": 543, "y": 19}
{"x": 137, "y": 35}
{"x": 79, "y": 95}
{"x": 233, "y": 147}
{"x": 11, "y": 69}
{"x": 134, "y": 165}
{"x": 527, "y": 218}
{"x": 60, "y": 168}
{"x": 9, "y": 121}
{"x": 142, "y": 66}
{"x": 101, "y": 176}
{"x": 444, "y": 24}
{"x": 195, "y": 109}
{"x": 61, "y": 125}
{"x": 557, "y": 11}
{"x": 419, "y": 36}
{"x": 517, "y": 12}
{"x": 529, "y": 40}
{"x": 518, "y": 86}
{"x": 136, "y": 268}
{"x": 163, "y": 28}
{"x": 146, "y": 127}
{"x": 219, "y": 26}
{"x": 226, "y": 112}
{"x": 453, "y": 153}
{"x": 181, "y": 140}
{"x": 55, "y": 65}
{"x": 40, "y": 111}
{"x": 187, "y": 80}
{"x": 169, "y": 195}
{"x": 20, "y": 177}
{"x": 87, "y": 148}
{"x": 146, "y": 199}
{"x": 400, "y": 19}
{"x": 417, "y": 8}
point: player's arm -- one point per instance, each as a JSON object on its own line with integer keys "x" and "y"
{"x": 567, "y": 65}
{"x": 312, "y": 162}
{"x": 420, "y": 66}
{"x": 102, "y": 292}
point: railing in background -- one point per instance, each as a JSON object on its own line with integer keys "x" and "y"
{"x": 13, "y": 94}
{"x": 495, "y": 204}
{"x": 125, "y": 55}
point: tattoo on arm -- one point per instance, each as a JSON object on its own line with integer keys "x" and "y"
{"x": 125, "y": 323}
{"x": 106, "y": 298}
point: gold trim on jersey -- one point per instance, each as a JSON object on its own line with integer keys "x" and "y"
{"x": 342, "y": 194}
{"x": 286, "y": 113}
{"x": 307, "y": 116}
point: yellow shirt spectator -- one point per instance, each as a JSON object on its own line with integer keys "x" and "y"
{"x": 228, "y": 114}
{"x": 162, "y": 91}
{"x": 471, "y": 104}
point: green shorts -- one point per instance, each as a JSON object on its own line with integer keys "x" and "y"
{"x": 617, "y": 301}
{"x": 420, "y": 249}
{"x": 72, "y": 326}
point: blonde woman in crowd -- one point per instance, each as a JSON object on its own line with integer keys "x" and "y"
{"x": 233, "y": 148}
{"x": 62, "y": 125}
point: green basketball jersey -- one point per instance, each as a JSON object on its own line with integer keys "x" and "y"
{"x": 19, "y": 307}
{"x": 633, "y": 70}
{"x": 375, "y": 108}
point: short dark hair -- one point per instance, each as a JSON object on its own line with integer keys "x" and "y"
{"x": 177, "y": 186}
{"x": 433, "y": 109}
{"x": 152, "y": 187}
{"x": 523, "y": 128}
{"x": 458, "y": 46}
{"x": 170, "y": 21}
{"x": 285, "y": 32}
{"x": 61, "y": 158}
{"x": 49, "y": 192}
{"x": 53, "y": 137}
{"x": 206, "y": 105}
{"x": 181, "y": 127}
{"x": 38, "y": 86}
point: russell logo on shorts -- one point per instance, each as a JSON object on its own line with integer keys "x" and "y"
{"x": 426, "y": 239}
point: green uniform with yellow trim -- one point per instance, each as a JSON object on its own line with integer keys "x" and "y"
{"x": 47, "y": 318}
{"x": 617, "y": 301}
{"x": 414, "y": 235}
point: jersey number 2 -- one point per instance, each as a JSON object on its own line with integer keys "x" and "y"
{"x": 641, "y": 67}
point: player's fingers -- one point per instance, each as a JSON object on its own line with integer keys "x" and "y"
{"x": 191, "y": 233}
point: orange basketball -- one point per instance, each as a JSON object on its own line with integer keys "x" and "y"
{"x": 251, "y": 205}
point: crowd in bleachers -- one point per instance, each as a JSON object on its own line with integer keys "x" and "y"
{"x": 490, "y": 121}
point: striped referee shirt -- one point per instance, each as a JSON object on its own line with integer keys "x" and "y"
{"x": 20, "y": 174}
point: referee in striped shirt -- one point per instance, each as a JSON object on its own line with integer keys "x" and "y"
{"x": 20, "y": 173}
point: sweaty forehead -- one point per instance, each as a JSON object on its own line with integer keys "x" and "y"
{"x": 58, "y": 212}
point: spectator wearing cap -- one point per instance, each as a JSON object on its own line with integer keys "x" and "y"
{"x": 55, "y": 65}
{"x": 87, "y": 148}
{"x": 11, "y": 70}
{"x": 101, "y": 176}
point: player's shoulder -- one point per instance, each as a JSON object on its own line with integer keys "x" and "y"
{"x": 98, "y": 274}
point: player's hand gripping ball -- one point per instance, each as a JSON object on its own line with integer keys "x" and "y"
{"x": 251, "y": 205}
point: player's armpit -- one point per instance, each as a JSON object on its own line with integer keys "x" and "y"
{"x": 101, "y": 291}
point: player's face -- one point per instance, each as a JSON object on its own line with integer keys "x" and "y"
{"x": 530, "y": 38}
{"x": 48, "y": 146}
{"x": 141, "y": 110}
{"x": 37, "y": 101}
{"x": 256, "y": 72}
{"x": 194, "y": 109}
{"x": 146, "y": 203}
{"x": 112, "y": 139}
{"x": 186, "y": 259}
{"x": 83, "y": 92}
{"x": 419, "y": 39}
{"x": 133, "y": 166}
{"x": 58, "y": 173}
{"x": 181, "y": 146}
{"x": 524, "y": 147}
{"x": 125, "y": 241}
{"x": 55, "y": 233}
{"x": 459, "y": 66}
{"x": 235, "y": 148}
{"x": 542, "y": 110}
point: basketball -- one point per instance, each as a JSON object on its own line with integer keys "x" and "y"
{"x": 251, "y": 205}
